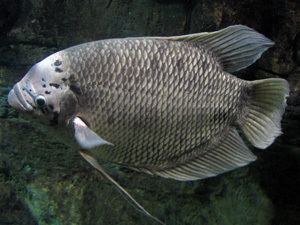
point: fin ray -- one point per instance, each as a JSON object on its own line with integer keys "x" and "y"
{"x": 231, "y": 153}
{"x": 91, "y": 160}
{"x": 236, "y": 47}
{"x": 261, "y": 123}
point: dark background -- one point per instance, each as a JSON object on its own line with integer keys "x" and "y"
{"x": 42, "y": 181}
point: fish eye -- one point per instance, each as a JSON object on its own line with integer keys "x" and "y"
{"x": 40, "y": 101}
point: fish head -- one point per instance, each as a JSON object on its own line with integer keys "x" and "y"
{"x": 44, "y": 91}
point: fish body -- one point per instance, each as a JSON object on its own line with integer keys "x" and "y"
{"x": 166, "y": 106}
{"x": 159, "y": 102}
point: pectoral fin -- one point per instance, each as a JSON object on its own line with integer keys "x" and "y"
{"x": 85, "y": 137}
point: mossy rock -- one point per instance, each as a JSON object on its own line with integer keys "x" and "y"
{"x": 90, "y": 200}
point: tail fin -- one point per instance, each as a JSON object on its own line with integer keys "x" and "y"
{"x": 262, "y": 122}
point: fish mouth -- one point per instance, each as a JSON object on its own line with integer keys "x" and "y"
{"x": 17, "y": 100}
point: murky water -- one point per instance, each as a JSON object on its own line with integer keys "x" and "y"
{"x": 43, "y": 181}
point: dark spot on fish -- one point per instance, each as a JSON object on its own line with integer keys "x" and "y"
{"x": 59, "y": 70}
{"x": 47, "y": 92}
{"x": 64, "y": 79}
{"x": 45, "y": 110}
{"x": 54, "y": 120}
{"x": 44, "y": 86}
{"x": 57, "y": 63}
{"x": 76, "y": 89}
{"x": 179, "y": 64}
{"x": 130, "y": 89}
{"x": 30, "y": 90}
{"x": 54, "y": 85}
{"x": 43, "y": 79}
{"x": 124, "y": 79}
{"x": 72, "y": 78}
{"x": 51, "y": 107}
{"x": 110, "y": 120}
{"x": 155, "y": 63}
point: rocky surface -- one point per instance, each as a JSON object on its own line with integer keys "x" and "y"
{"x": 44, "y": 182}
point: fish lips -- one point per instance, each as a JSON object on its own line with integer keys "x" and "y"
{"x": 17, "y": 100}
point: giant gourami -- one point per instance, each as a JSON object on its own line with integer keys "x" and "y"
{"x": 167, "y": 106}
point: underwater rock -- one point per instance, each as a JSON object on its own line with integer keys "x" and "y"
{"x": 9, "y": 10}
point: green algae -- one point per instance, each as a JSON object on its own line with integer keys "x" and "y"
{"x": 40, "y": 206}
{"x": 45, "y": 201}
{"x": 81, "y": 199}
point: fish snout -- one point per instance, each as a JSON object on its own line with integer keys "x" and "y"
{"x": 17, "y": 99}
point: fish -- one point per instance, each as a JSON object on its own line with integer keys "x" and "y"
{"x": 167, "y": 106}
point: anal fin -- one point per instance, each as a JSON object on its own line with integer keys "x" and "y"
{"x": 230, "y": 154}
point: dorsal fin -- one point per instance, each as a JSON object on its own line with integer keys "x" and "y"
{"x": 236, "y": 47}
{"x": 231, "y": 153}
